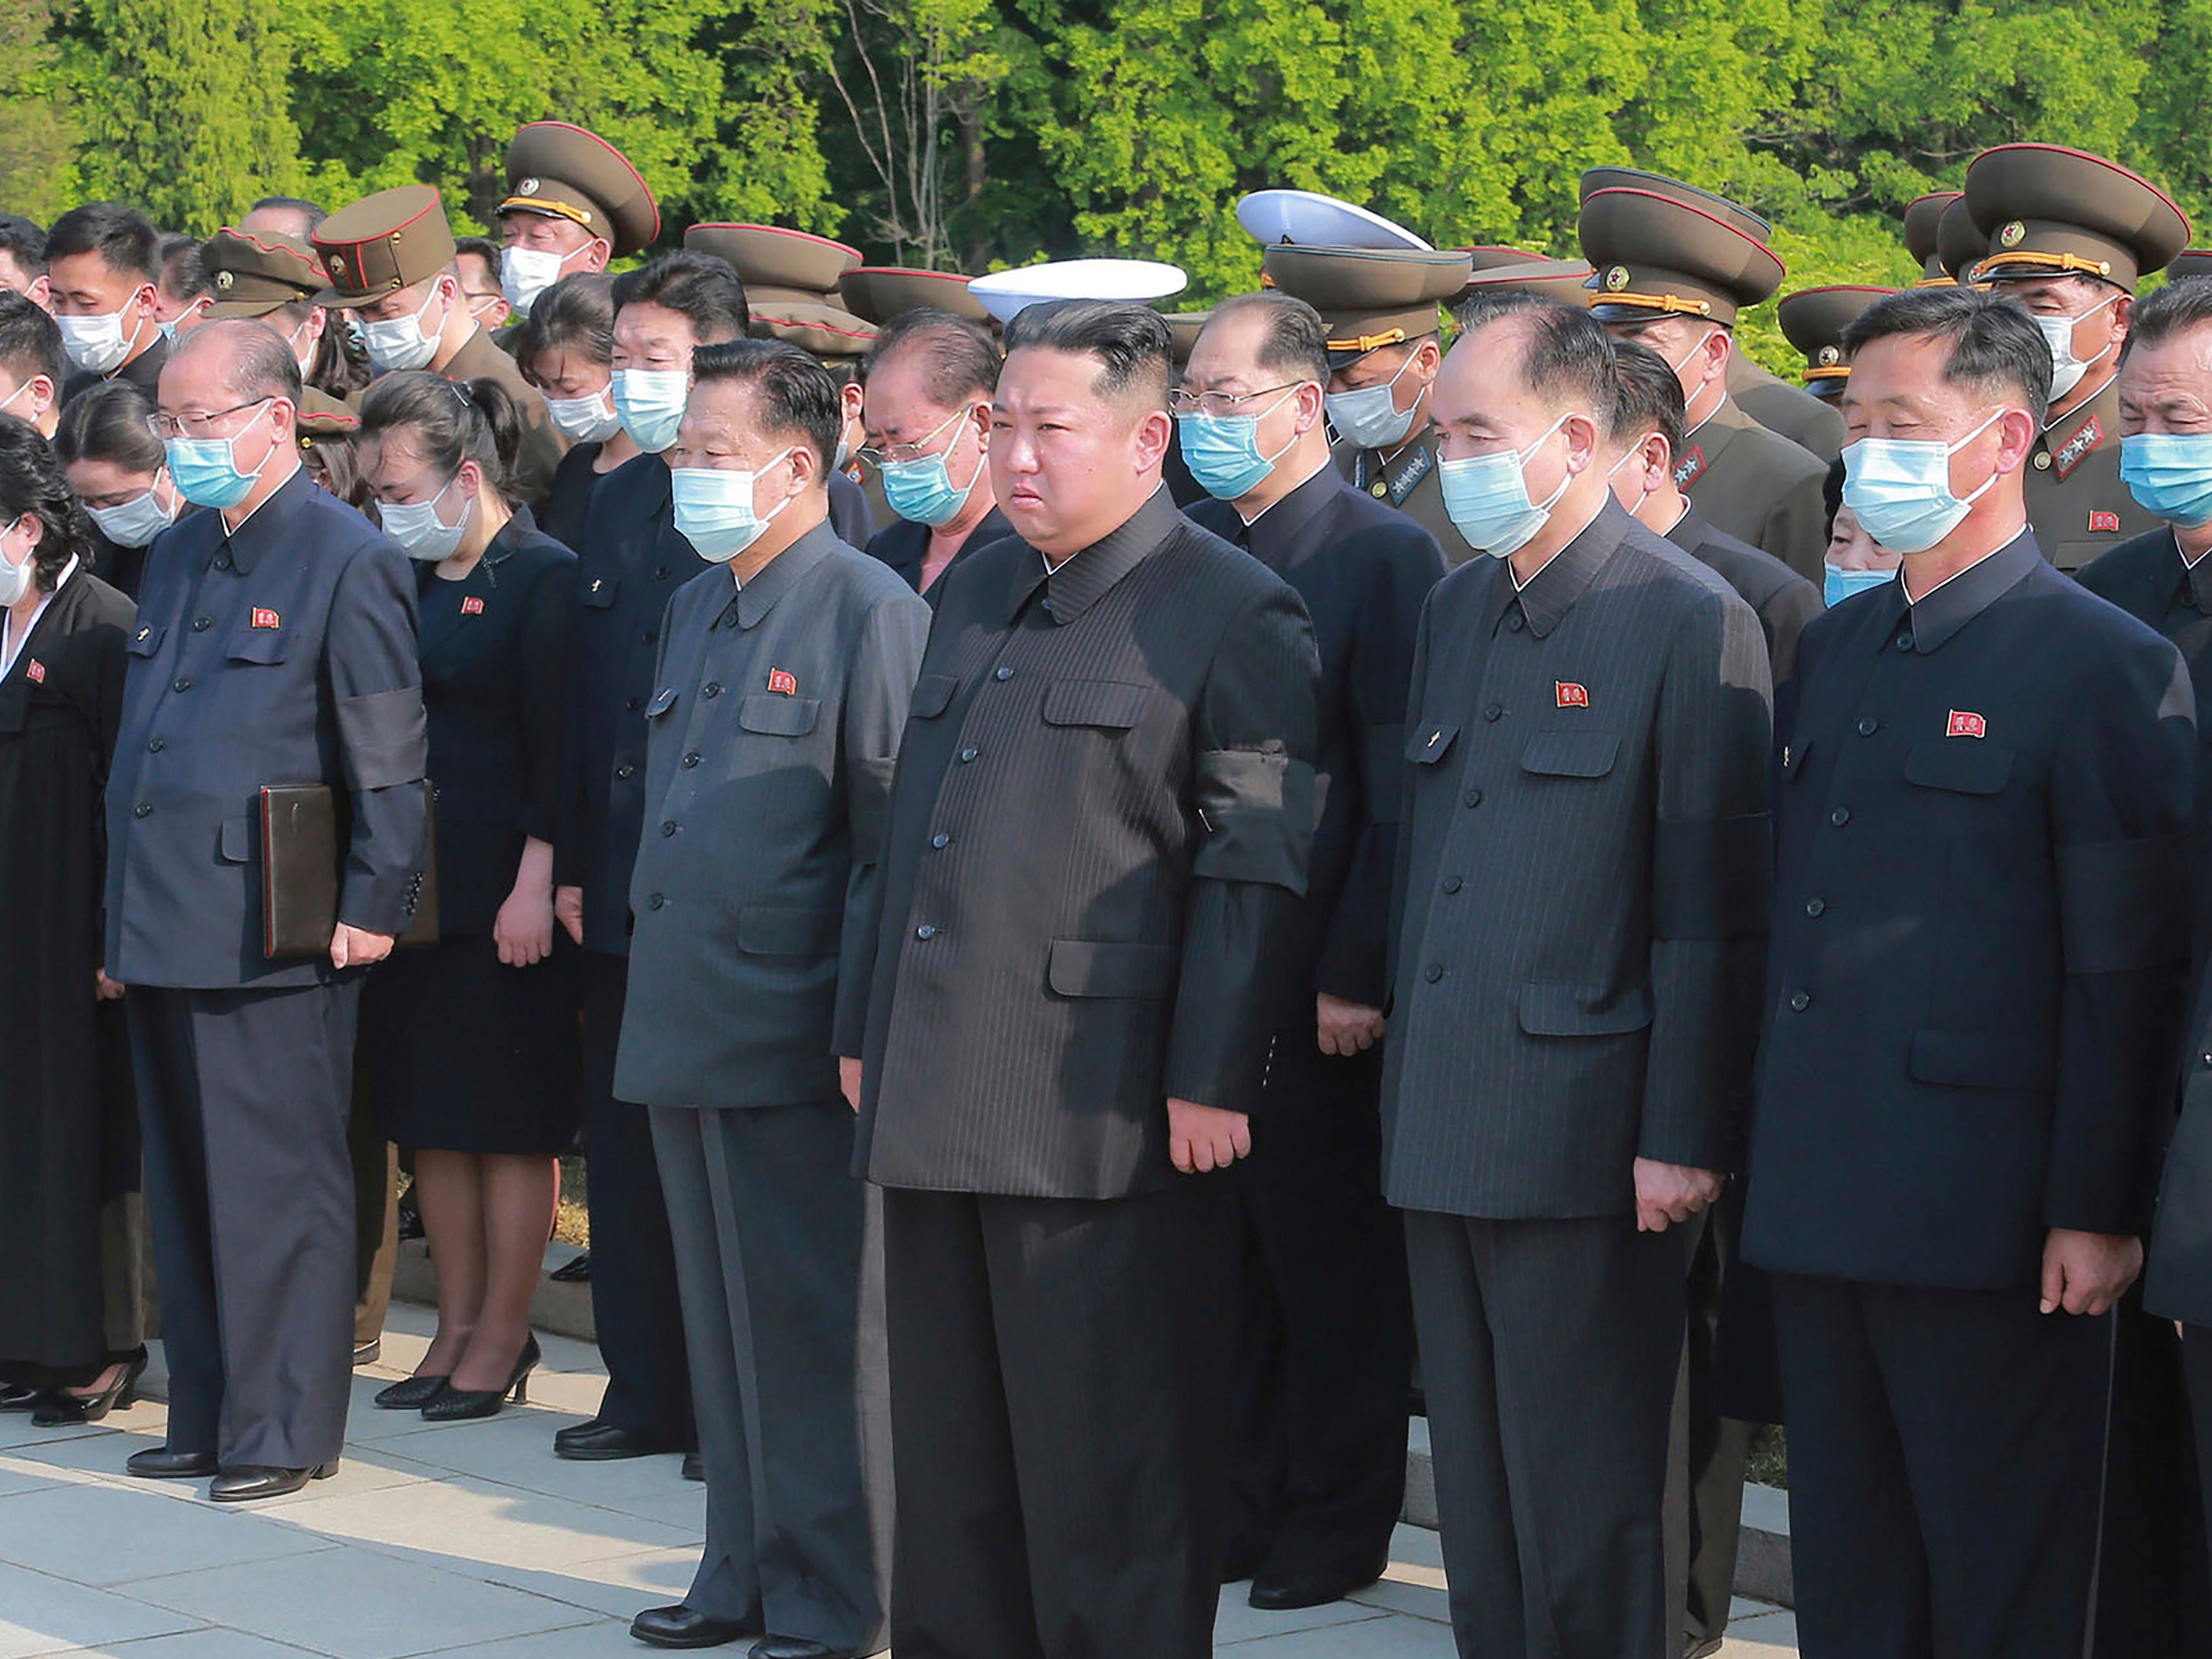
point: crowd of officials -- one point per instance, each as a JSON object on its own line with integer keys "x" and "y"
{"x": 1085, "y": 876}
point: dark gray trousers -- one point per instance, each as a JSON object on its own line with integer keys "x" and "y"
{"x": 778, "y": 1264}
{"x": 1548, "y": 1351}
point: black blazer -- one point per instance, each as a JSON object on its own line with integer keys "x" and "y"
{"x": 1582, "y": 862}
{"x": 1098, "y": 840}
{"x": 850, "y": 515}
{"x": 1364, "y": 570}
{"x": 903, "y": 545}
{"x": 1984, "y": 880}
{"x": 494, "y": 651}
{"x": 561, "y": 514}
{"x": 1782, "y": 600}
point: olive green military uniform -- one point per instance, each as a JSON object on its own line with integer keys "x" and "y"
{"x": 2043, "y": 211}
{"x": 396, "y": 239}
{"x": 256, "y": 272}
{"x": 1658, "y": 255}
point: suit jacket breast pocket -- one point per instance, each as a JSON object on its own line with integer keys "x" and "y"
{"x": 599, "y": 593}
{"x": 775, "y": 716}
{"x": 1106, "y": 705}
{"x": 1961, "y": 766}
{"x": 260, "y": 645}
{"x": 1571, "y": 754}
{"x": 1427, "y": 746}
{"x": 933, "y": 695}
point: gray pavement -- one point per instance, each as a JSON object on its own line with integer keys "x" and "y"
{"x": 471, "y": 1538}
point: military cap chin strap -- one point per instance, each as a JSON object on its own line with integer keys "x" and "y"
{"x": 1667, "y": 302}
{"x": 581, "y": 215}
{"x": 1937, "y": 281}
{"x": 2056, "y": 263}
{"x": 1840, "y": 372}
{"x": 1364, "y": 344}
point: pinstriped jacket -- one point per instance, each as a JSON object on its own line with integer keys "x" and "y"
{"x": 1583, "y": 858}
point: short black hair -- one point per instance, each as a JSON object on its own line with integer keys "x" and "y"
{"x": 110, "y": 420}
{"x": 31, "y": 482}
{"x": 448, "y": 421}
{"x": 795, "y": 395}
{"x": 1485, "y": 305}
{"x": 1133, "y": 344}
{"x": 123, "y": 237}
{"x": 2181, "y": 305}
{"x": 1564, "y": 351}
{"x": 1295, "y": 340}
{"x": 312, "y": 212}
{"x": 1649, "y": 395}
{"x": 1832, "y": 491}
{"x": 30, "y": 342}
{"x": 701, "y": 287}
{"x": 577, "y": 313}
{"x": 963, "y": 359}
{"x": 182, "y": 272}
{"x": 482, "y": 247}
{"x": 23, "y": 241}
{"x": 1996, "y": 346}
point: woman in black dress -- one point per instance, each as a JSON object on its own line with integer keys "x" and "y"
{"x": 117, "y": 467}
{"x": 68, "y": 1141}
{"x": 568, "y": 352}
{"x": 472, "y": 1044}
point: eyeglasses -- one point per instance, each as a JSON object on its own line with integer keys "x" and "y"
{"x": 166, "y": 427}
{"x": 1181, "y": 402}
{"x": 897, "y": 454}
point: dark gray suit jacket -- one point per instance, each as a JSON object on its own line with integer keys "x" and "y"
{"x": 1583, "y": 855}
{"x": 773, "y": 732}
{"x": 1098, "y": 837}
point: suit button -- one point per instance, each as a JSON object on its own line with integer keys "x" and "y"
{"x": 925, "y": 932}
{"x": 1869, "y": 727}
{"x": 711, "y": 688}
{"x": 1002, "y": 672}
{"x": 634, "y": 704}
{"x": 182, "y": 683}
{"x": 200, "y": 624}
{"x": 969, "y": 754}
{"x": 1905, "y": 642}
{"x": 655, "y": 901}
{"x": 1840, "y": 817}
{"x": 690, "y": 760}
{"x": 1799, "y": 1002}
{"x": 1453, "y": 884}
{"x": 1516, "y": 622}
{"x": 651, "y": 634}
{"x": 1816, "y": 907}
{"x": 1493, "y": 713}
{"x": 661, "y": 573}
{"x": 142, "y": 810}
{"x": 1433, "y": 972}
{"x": 668, "y": 826}
{"x": 156, "y": 745}
{"x": 1475, "y": 798}
{"x": 2207, "y": 1059}
{"x": 940, "y": 841}
{"x": 625, "y": 770}
{"x": 222, "y": 560}
{"x": 2042, "y": 460}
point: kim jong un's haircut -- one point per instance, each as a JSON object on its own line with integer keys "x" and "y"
{"x": 793, "y": 395}
{"x": 1133, "y": 344}
{"x": 961, "y": 360}
{"x": 1293, "y": 339}
{"x": 1994, "y": 346}
{"x": 2179, "y": 307}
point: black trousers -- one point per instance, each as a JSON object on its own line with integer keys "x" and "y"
{"x": 1549, "y": 1351}
{"x": 1057, "y": 1370}
{"x": 1946, "y": 1456}
{"x": 635, "y": 1305}
{"x": 1327, "y": 1326}
{"x": 2153, "y": 1596}
{"x": 1706, "y": 1451}
{"x": 779, "y": 1255}
{"x": 242, "y": 1102}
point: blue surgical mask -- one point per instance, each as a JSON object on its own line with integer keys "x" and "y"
{"x": 1369, "y": 418}
{"x": 921, "y": 490}
{"x": 1223, "y": 451}
{"x": 205, "y": 470}
{"x": 650, "y": 401}
{"x": 134, "y": 522}
{"x": 1842, "y": 584}
{"x": 1486, "y": 497}
{"x": 714, "y": 508}
{"x": 2170, "y": 475}
{"x": 1900, "y": 489}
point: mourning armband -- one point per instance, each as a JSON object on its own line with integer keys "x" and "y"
{"x": 383, "y": 737}
{"x": 1258, "y": 810}
{"x": 868, "y": 804}
{"x": 2120, "y": 903}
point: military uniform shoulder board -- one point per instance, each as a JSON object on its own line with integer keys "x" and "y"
{"x": 2076, "y": 449}
{"x": 1689, "y": 468}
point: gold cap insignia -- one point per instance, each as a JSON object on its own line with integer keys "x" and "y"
{"x": 1829, "y": 356}
{"x": 337, "y": 265}
{"x": 2011, "y": 235}
{"x": 527, "y": 187}
{"x": 1616, "y": 278}
{"x": 224, "y": 279}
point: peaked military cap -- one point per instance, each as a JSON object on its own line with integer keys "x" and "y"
{"x": 1814, "y": 320}
{"x": 1007, "y": 294}
{"x": 323, "y": 419}
{"x": 564, "y": 172}
{"x": 1183, "y": 329}
{"x": 2189, "y": 262}
{"x": 1657, "y": 256}
{"x": 825, "y": 330}
{"x": 1369, "y": 298}
{"x": 2048, "y": 211}
{"x": 1958, "y": 243}
{"x": 1752, "y": 225}
{"x": 880, "y": 293}
{"x": 774, "y": 257}
{"x": 1565, "y": 280}
{"x": 383, "y": 243}
{"x": 255, "y": 271}
{"x": 1923, "y": 217}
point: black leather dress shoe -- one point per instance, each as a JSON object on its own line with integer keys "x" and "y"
{"x": 577, "y": 1270}
{"x": 1280, "y": 1592}
{"x": 249, "y": 1481}
{"x": 162, "y": 1464}
{"x": 680, "y": 1626}
{"x": 18, "y": 1396}
{"x": 368, "y": 1352}
{"x": 600, "y": 1442}
{"x": 693, "y": 1469}
{"x": 796, "y": 1647}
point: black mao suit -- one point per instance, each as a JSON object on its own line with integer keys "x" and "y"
{"x": 283, "y": 654}
{"x": 1982, "y": 899}
{"x": 1329, "y": 1316}
{"x": 1098, "y": 838}
{"x": 904, "y": 545}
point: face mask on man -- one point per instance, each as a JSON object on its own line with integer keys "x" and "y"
{"x": 2067, "y": 369}
{"x": 1369, "y": 417}
{"x": 1486, "y": 497}
{"x": 525, "y": 274}
{"x": 650, "y": 401}
{"x": 1900, "y": 489}
{"x": 398, "y": 343}
{"x": 2170, "y": 475}
{"x": 921, "y": 490}
{"x": 1223, "y": 451}
{"x": 206, "y": 473}
{"x": 1842, "y": 584}
{"x": 98, "y": 345}
{"x": 714, "y": 508}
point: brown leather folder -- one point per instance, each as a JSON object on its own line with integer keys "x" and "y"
{"x": 305, "y": 830}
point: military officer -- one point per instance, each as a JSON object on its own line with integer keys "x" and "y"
{"x": 102, "y": 266}
{"x": 2068, "y": 236}
{"x": 1923, "y": 220}
{"x": 1330, "y": 1315}
{"x": 1566, "y": 280}
{"x": 1814, "y": 320}
{"x": 2189, "y": 262}
{"x": 477, "y": 260}
{"x": 573, "y": 203}
{"x": 1972, "y": 1007}
{"x": 1674, "y": 277}
{"x": 1960, "y": 244}
{"x": 390, "y": 259}
{"x": 1385, "y": 345}
{"x": 273, "y": 277}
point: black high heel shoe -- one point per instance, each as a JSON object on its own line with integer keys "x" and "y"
{"x": 411, "y": 1395}
{"x": 458, "y": 1405}
{"x": 59, "y": 1409}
